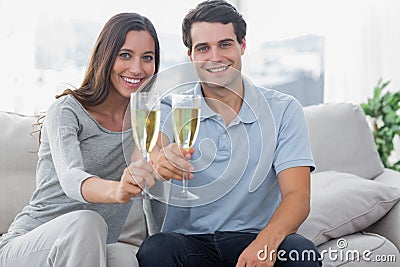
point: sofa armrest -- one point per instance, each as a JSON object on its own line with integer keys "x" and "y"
{"x": 389, "y": 224}
{"x": 389, "y": 177}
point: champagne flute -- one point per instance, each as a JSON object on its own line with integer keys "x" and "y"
{"x": 145, "y": 116}
{"x": 185, "y": 124}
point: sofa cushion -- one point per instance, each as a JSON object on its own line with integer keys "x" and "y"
{"x": 343, "y": 204}
{"x": 341, "y": 140}
{"x": 135, "y": 228}
{"x": 18, "y": 159}
{"x": 360, "y": 249}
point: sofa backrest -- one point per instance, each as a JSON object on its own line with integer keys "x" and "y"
{"x": 342, "y": 140}
{"x": 18, "y": 159}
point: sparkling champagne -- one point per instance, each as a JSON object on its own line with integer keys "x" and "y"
{"x": 185, "y": 123}
{"x": 145, "y": 128}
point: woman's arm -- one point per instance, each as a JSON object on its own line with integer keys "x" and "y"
{"x": 98, "y": 190}
{"x": 62, "y": 128}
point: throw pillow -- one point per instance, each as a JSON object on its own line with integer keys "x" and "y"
{"x": 341, "y": 140}
{"x": 343, "y": 204}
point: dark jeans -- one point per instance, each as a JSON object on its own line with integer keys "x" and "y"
{"x": 219, "y": 249}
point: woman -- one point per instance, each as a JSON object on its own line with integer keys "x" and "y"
{"x": 83, "y": 186}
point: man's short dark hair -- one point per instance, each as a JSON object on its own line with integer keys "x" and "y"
{"x": 213, "y": 11}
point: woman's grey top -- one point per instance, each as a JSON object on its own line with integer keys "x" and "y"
{"x": 74, "y": 147}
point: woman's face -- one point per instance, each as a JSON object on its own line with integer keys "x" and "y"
{"x": 134, "y": 64}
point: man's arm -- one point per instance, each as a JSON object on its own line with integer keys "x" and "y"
{"x": 294, "y": 185}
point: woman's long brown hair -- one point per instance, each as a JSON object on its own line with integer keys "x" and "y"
{"x": 95, "y": 87}
{"x": 96, "y": 83}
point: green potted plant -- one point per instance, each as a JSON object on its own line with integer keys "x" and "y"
{"x": 384, "y": 110}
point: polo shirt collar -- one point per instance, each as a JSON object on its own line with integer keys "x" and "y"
{"x": 206, "y": 111}
{"x": 250, "y": 107}
{"x": 249, "y": 111}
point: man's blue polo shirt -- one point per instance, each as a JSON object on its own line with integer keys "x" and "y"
{"x": 237, "y": 165}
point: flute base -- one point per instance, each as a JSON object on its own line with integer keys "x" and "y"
{"x": 144, "y": 196}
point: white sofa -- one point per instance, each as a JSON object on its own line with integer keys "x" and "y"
{"x": 354, "y": 203}
{"x": 354, "y": 200}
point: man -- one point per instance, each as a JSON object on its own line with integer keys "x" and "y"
{"x": 255, "y": 192}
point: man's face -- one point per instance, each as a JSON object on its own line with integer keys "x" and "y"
{"x": 216, "y": 54}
